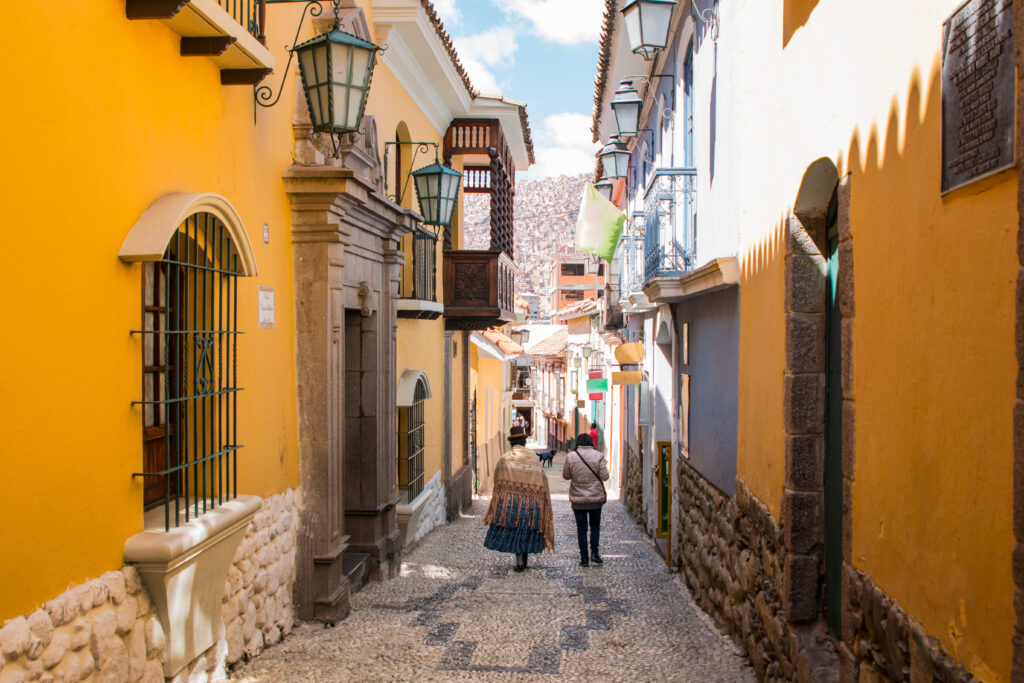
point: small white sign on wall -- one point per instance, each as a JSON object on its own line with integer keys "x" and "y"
{"x": 267, "y": 313}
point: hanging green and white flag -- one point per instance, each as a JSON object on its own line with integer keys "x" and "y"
{"x": 599, "y": 224}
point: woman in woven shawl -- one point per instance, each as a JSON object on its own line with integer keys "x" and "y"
{"x": 520, "y": 511}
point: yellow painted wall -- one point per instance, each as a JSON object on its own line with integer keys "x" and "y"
{"x": 83, "y": 158}
{"x": 934, "y": 283}
{"x": 490, "y": 417}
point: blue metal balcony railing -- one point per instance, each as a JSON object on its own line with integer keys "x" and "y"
{"x": 669, "y": 220}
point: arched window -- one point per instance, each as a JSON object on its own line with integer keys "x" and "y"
{"x": 688, "y": 107}
{"x": 413, "y": 391}
{"x": 193, "y": 248}
{"x": 664, "y": 134}
{"x": 190, "y": 370}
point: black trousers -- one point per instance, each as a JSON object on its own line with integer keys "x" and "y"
{"x": 591, "y": 518}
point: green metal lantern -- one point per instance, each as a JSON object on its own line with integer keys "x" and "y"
{"x": 437, "y": 189}
{"x": 336, "y": 68}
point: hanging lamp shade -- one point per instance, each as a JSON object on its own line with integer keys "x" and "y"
{"x": 626, "y": 105}
{"x": 336, "y": 68}
{"x": 647, "y": 24}
{"x": 437, "y": 189}
{"x": 605, "y": 188}
{"x": 615, "y": 158}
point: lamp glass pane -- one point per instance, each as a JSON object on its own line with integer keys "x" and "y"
{"x": 608, "y": 165}
{"x": 654, "y": 20}
{"x": 622, "y": 163}
{"x": 631, "y": 18}
{"x": 627, "y": 116}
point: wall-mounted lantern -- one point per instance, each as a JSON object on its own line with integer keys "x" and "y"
{"x": 437, "y": 190}
{"x": 626, "y": 105}
{"x": 604, "y": 187}
{"x": 647, "y": 24}
{"x": 436, "y": 185}
{"x": 336, "y": 68}
{"x": 587, "y": 350}
{"x": 615, "y": 158}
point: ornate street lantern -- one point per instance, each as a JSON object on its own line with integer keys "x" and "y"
{"x": 587, "y": 350}
{"x": 647, "y": 23}
{"x": 336, "y": 68}
{"x": 626, "y": 106}
{"x": 437, "y": 189}
{"x": 615, "y": 158}
{"x": 605, "y": 188}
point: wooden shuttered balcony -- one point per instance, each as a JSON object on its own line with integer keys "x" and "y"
{"x": 479, "y": 287}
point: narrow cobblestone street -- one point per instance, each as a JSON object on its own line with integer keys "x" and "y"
{"x": 459, "y": 613}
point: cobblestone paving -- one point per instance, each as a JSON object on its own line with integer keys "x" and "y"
{"x": 459, "y": 613}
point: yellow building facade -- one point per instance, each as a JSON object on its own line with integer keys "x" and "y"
{"x": 878, "y": 452}
{"x": 232, "y": 296}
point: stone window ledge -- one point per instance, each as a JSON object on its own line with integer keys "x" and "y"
{"x": 419, "y": 308}
{"x": 714, "y": 275}
{"x": 185, "y": 571}
{"x": 409, "y": 514}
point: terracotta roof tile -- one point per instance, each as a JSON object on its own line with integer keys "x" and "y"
{"x": 553, "y": 345}
{"x": 604, "y": 61}
{"x": 446, "y": 40}
{"x": 506, "y": 345}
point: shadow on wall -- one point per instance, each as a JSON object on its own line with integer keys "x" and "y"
{"x": 795, "y": 14}
{"x": 911, "y": 243}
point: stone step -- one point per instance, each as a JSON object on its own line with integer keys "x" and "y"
{"x": 355, "y": 567}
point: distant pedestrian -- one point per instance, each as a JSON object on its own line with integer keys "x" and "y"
{"x": 586, "y": 470}
{"x": 519, "y": 515}
{"x": 594, "y": 433}
{"x": 520, "y": 421}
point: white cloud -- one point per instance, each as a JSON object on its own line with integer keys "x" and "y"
{"x": 447, "y": 11}
{"x": 567, "y": 22}
{"x": 481, "y": 52}
{"x": 564, "y": 146}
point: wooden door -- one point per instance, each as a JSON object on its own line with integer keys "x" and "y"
{"x": 663, "y": 524}
{"x": 161, "y": 373}
{"x": 833, "y": 479}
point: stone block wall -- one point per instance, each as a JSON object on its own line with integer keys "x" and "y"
{"x": 258, "y": 610}
{"x": 107, "y": 629}
{"x": 633, "y": 491}
{"x": 733, "y": 559}
{"x": 880, "y": 642}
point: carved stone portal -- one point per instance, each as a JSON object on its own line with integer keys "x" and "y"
{"x": 346, "y": 238}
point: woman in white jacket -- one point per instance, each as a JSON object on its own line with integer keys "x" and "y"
{"x": 586, "y": 470}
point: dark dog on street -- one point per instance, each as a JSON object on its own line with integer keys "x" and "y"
{"x": 546, "y": 457}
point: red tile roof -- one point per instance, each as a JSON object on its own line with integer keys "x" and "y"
{"x": 506, "y": 345}
{"x": 604, "y": 61}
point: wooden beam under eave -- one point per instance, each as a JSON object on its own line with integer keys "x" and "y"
{"x": 206, "y": 46}
{"x": 243, "y": 76}
{"x": 153, "y": 9}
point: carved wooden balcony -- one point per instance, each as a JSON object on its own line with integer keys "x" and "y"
{"x": 479, "y": 288}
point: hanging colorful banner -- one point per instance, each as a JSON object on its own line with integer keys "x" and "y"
{"x": 597, "y": 385}
{"x": 595, "y": 397}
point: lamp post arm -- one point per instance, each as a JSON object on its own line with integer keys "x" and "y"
{"x": 264, "y": 94}
{"x": 671, "y": 77}
{"x": 420, "y": 147}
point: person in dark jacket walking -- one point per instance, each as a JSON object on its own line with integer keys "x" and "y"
{"x": 586, "y": 470}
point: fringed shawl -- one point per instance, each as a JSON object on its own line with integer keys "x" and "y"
{"x": 518, "y": 478}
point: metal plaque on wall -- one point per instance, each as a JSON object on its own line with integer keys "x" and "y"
{"x": 977, "y": 92}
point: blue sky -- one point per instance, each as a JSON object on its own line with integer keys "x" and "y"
{"x": 543, "y": 53}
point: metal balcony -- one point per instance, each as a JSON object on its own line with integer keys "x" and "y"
{"x": 669, "y": 222}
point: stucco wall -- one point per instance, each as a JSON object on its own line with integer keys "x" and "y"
{"x": 78, "y": 179}
{"x": 933, "y": 357}
{"x": 713, "y": 353}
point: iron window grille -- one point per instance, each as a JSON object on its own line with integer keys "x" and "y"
{"x": 411, "y": 428}
{"x": 420, "y": 277}
{"x": 190, "y": 372}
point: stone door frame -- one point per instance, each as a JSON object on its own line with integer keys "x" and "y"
{"x": 802, "y": 518}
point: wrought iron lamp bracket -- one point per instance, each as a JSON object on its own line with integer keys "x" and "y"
{"x": 264, "y": 95}
{"x": 709, "y": 16}
{"x": 424, "y": 147}
{"x": 648, "y": 77}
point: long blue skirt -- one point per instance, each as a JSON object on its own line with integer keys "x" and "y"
{"x": 522, "y": 534}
